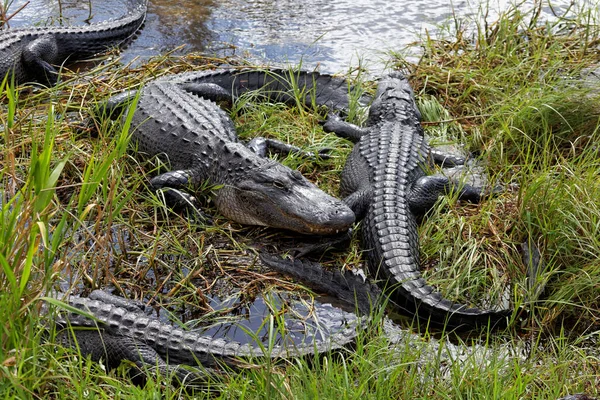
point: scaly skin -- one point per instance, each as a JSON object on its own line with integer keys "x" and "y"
{"x": 123, "y": 330}
{"x": 175, "y": 120}
{"x": 32, "y": 54}
{"x": 384, "y": 182}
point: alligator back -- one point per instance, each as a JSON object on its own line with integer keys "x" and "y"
{"x": 390, "y": 233}
{"x": 59, "y": 44}
{"x": 189, "y": 131}
{"x": 385, "y": 178}
{"x": 195, "y": 133}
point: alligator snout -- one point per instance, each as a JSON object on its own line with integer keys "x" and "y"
{"x": 342, "y": 217}
{"x": 331, "y": 218}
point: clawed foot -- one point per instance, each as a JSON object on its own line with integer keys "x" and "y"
{"x": 180, "y": 201}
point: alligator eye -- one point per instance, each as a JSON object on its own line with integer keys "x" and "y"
{"x": 279, "y": 185}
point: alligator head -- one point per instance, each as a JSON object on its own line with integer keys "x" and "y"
{"x": 270, "y": 194}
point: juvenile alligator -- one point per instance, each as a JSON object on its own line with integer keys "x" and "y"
{"x": 117, "y": 329}
{"x": 32, "y": 53}
{"x": 384, "y": 182}
{"x": 177, "y": 120}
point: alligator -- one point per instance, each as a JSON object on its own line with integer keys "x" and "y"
{"x": 113, "y": 328}
{"x": 32, "y": 54}
{"x": 385, "y": 183}
{"x": 177, "y": 118}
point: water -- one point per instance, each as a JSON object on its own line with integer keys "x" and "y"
{"x": 302, "y": 321}
{"x": 333, "y": 35}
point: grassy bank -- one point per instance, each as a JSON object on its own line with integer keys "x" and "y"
{"x": 76, "y": 211}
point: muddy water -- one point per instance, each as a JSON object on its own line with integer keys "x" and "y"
{"x": 335, "y": 35}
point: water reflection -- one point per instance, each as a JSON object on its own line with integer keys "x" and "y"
{"x": 336, "y": 35}
{"x": 274, "y": 318}
{"x": 170, "y": 24}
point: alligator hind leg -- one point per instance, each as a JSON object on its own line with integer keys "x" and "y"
{"x": 445, "y": 159}
{"x": 334, "y": 123}
{"x": 115, "y": 105}
{"x": 426, "y": 190}
{"x": 209, "y": 91}
{"x": 37, "y": 57}
{"x": 261, "y": 145}
{"x": 111, "y": 108}
{"x": 462, "y": 169}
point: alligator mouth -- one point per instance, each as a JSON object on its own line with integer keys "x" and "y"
{"x": 325, "y": 231}
{"x": 303, "y": 214}
{"x": 340, "y": 224}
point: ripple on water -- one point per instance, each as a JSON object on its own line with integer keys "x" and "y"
{"x": 335, "y": 35}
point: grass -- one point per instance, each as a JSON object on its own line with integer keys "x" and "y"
{"x": 74, "y": 206}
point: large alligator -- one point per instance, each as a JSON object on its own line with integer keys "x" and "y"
{"x": 385, "y": 183}
{"x": 32, "y": 54}
{"x": 177, "y": 119}
{"x": 115, "y": 329}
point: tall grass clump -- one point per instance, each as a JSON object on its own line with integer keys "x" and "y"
{"x": 29, "y": 243}
{"x": 48, "y": 196}
{"x": 519, "y": 92}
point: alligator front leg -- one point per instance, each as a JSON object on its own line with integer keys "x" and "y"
{"x": 261, "y": 146}
{"x": 334, "y": 123}
{"x": 37, "y": 58}
{"x": 170, "y": 185}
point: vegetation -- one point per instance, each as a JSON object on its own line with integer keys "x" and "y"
{"x": 75, "y": 212}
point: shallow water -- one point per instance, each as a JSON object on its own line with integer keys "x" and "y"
{"x": 334, "y": 35}
{"x": 302, "y": 321}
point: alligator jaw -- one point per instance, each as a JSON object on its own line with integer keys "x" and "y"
{"x": 276, "y": 196}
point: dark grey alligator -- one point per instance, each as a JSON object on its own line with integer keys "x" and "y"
{"x": 31, "y": 54}
{"x": 177, "y": 120}
{"x": 385, "y": 183}
{"x": 116, "y": 329}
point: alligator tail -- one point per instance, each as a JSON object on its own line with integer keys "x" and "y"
{"x": 282, "y": 85}
{"x": 422, "y": 300}
{"x": 394, "y": 258}
{"x": 433, "y": 309}
{"x": 346, "y": 286}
